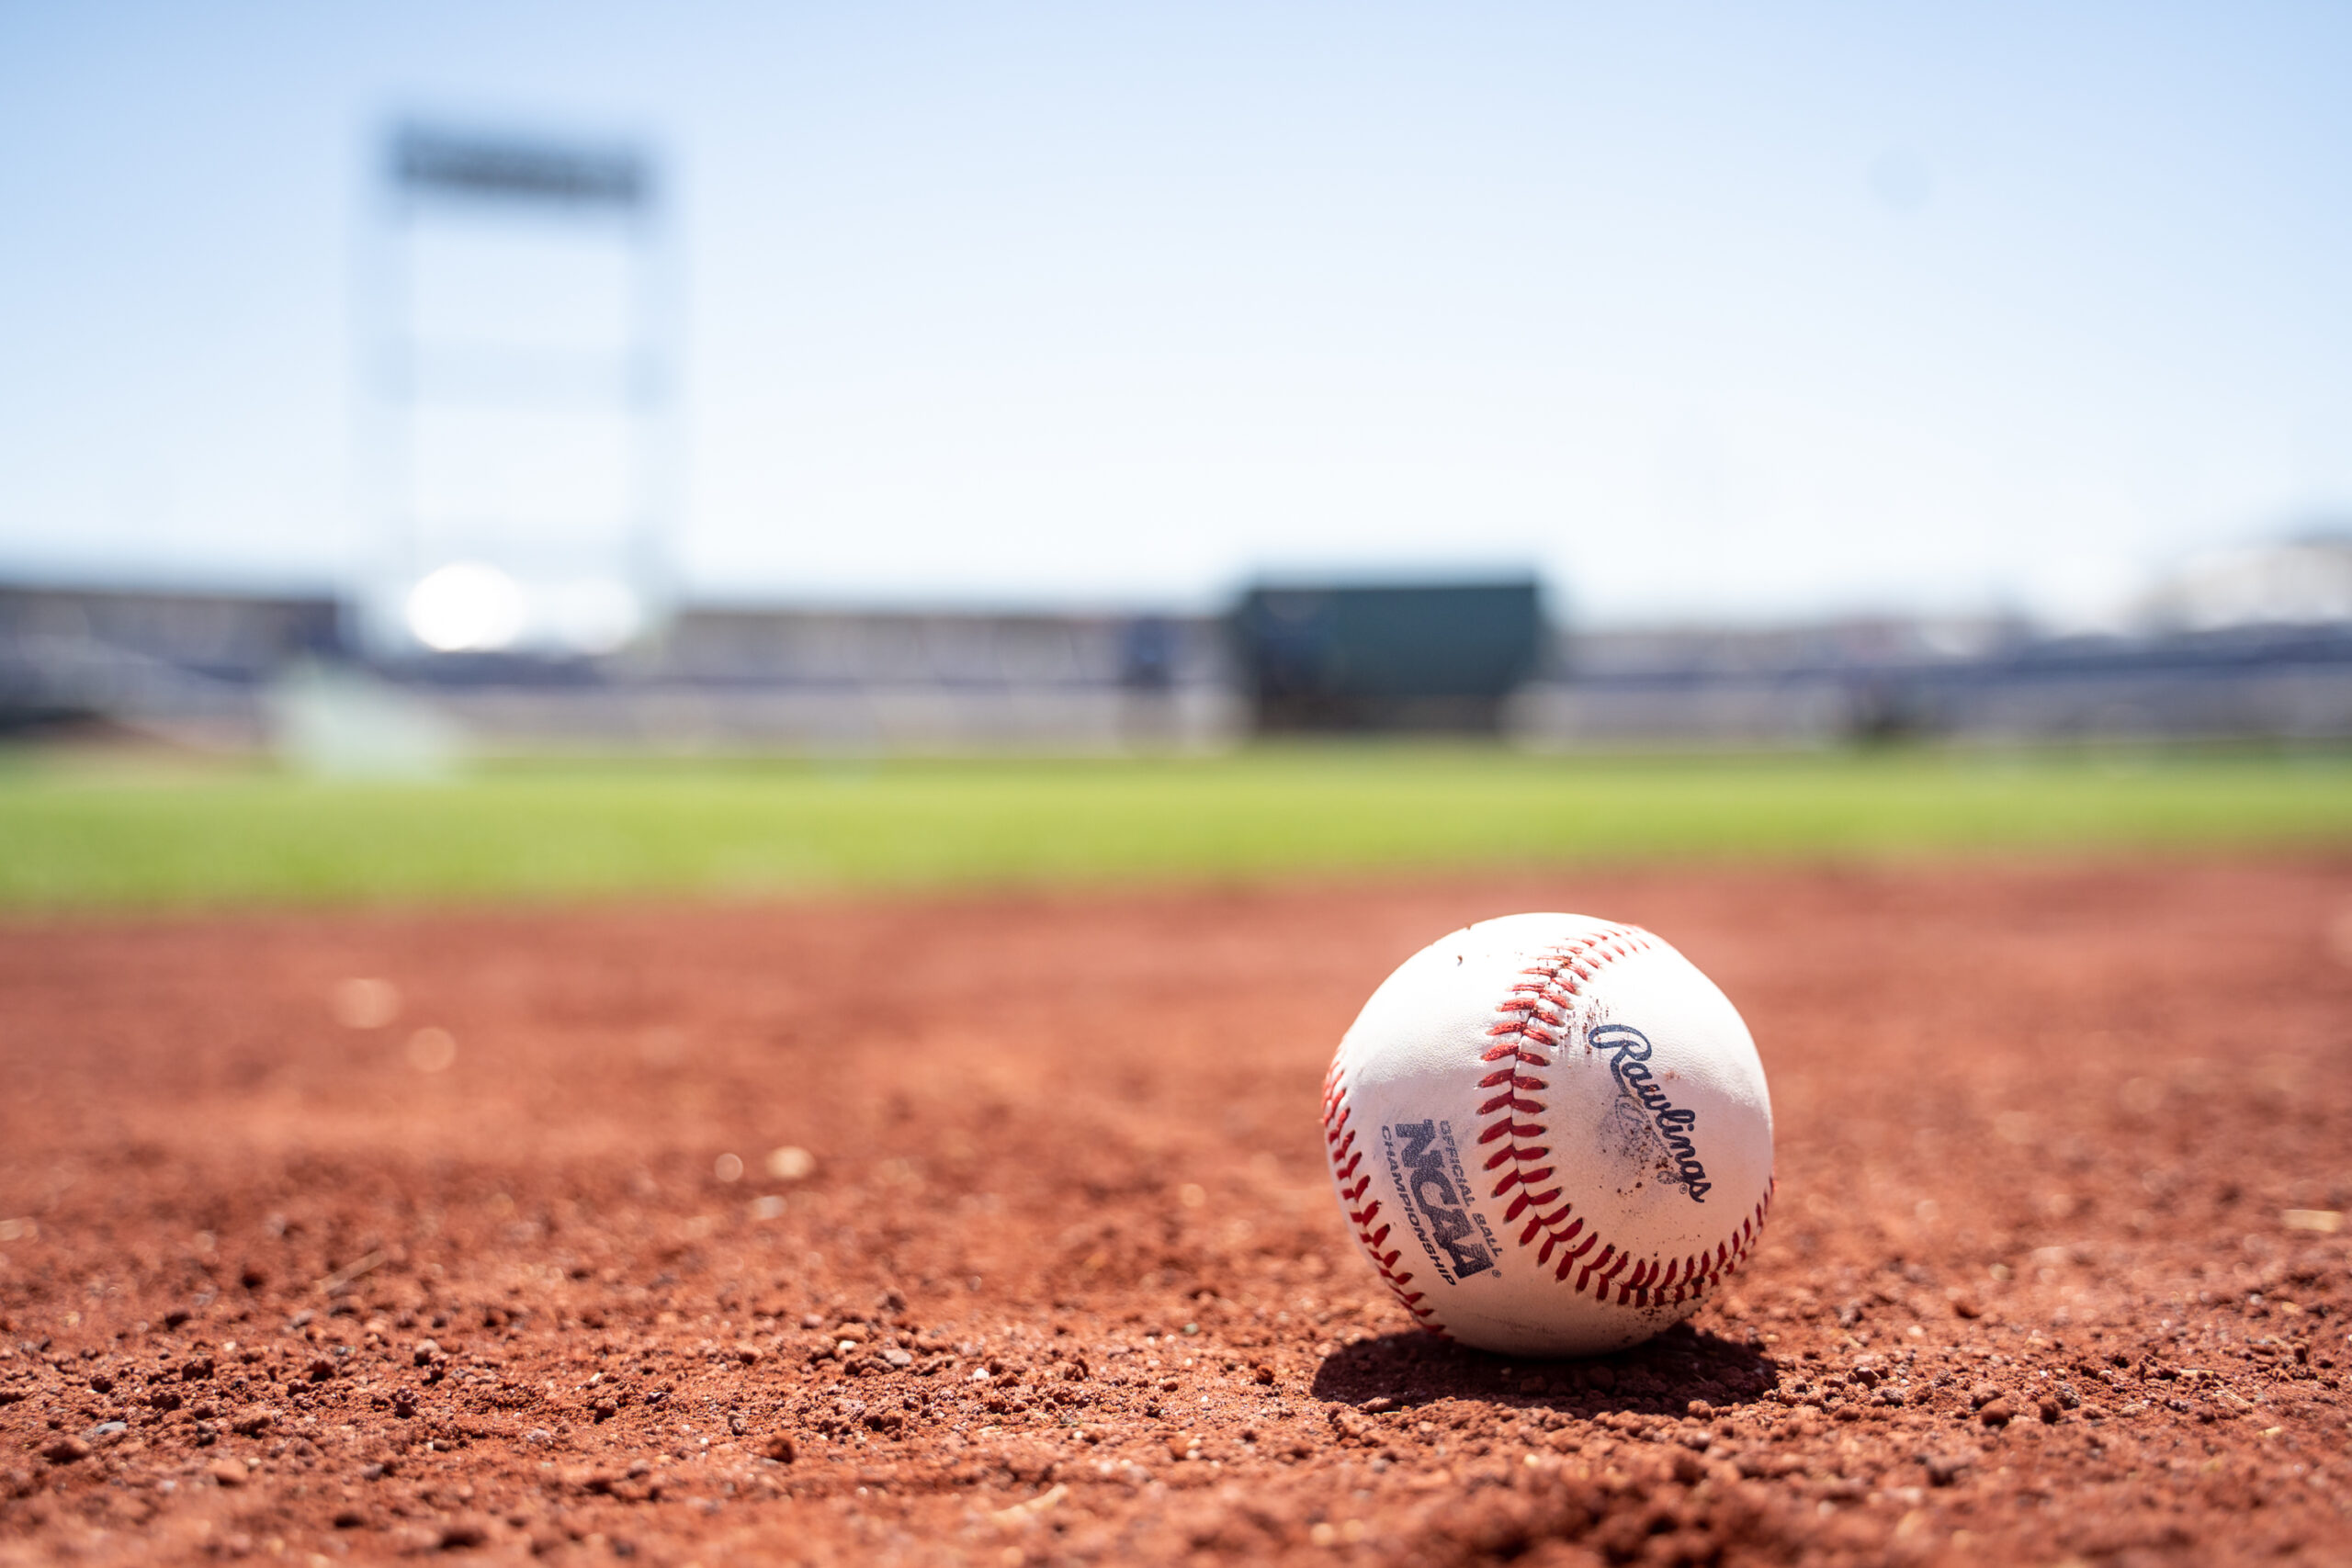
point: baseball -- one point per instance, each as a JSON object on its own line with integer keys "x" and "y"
{"x": 1550, "y": 1135}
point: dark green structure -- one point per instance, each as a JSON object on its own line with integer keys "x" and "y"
{"x": 1432, "y": 658}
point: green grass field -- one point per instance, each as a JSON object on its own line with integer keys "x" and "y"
{"x": 74, "y": 835}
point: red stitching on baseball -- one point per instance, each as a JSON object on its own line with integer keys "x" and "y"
{"x": 1537, "y": 1004}
{"x": 1338, "y": 1137}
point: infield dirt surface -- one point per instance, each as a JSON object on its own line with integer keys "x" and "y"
{"x": 2056, "y": 1271}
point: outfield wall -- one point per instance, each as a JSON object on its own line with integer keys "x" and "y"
{"x": 213, "y": 670}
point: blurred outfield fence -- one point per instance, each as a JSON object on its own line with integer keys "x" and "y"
{"x": 211, "y": 671}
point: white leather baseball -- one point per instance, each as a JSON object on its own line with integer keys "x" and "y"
{"x": 1550, "y": 1135}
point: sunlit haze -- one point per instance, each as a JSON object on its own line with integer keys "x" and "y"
{"x": 1731, "y": 313}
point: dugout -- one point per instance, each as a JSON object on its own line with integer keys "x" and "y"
{"x": 1438, "y": 658}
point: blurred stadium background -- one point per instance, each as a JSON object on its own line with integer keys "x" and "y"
{"x": 2254, "y": 647}
{"x": 523, "y": 570}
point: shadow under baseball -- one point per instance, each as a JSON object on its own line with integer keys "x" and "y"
{"x": 1662, "y": 1376}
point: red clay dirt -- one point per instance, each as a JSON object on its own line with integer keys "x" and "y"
{"x": 2056, "y": 1272}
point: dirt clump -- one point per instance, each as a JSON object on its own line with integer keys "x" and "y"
{"x": 996, "y": 1231}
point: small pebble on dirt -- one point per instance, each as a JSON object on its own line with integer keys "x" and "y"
{"x": 1945, "y": 1469}
{"x": 459, "y": 1535}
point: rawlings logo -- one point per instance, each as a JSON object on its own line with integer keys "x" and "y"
{"x": 1435, "y": 1208}
{"x": 1629, "y": 1055}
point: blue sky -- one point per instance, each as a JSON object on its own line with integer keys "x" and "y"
{"x": 1701, "y": 311}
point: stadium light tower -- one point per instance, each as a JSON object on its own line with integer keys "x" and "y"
{"x": 517, "y": 320}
